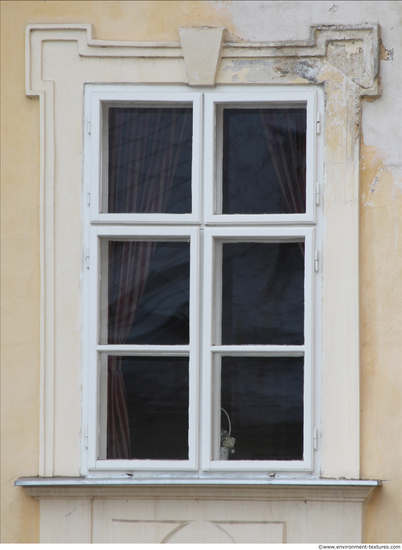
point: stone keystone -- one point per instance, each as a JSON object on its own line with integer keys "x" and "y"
{"x": 202, "y": 48}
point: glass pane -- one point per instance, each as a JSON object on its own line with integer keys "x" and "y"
{"x": 148, "y": 292}
{"x": 263, "y": 293}
{"x": 150, "y": 152}
{"x": 263, "y": 397}
{"x": 148, "y": 408}
{"x": 264, "y": 161}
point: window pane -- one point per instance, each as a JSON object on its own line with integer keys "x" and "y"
{"x": 263, "y": 293}
{"x": 150, "y": 152}
{"x": 264, "y": 400}
{"x": 148, "y": 292}
{"x": 148, "y": 401}
{"x": 264, "y": 161}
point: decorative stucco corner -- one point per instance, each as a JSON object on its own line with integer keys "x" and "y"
{"x": 353, "y": 50}
{"x": 202, "y": 49}
{"x": 333, "y": 52}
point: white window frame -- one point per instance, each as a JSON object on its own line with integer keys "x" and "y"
{"x": 95, "y": 98}
{"x": 282, "y": 98}
{"x": 97, "y": 413}
{"x": 201, "y": 228}
{"x": 211, "y": 300}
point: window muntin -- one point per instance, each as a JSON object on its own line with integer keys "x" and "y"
{"x": 216, "y": 357}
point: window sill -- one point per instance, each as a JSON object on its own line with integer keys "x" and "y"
{"x": 199, "y": 488}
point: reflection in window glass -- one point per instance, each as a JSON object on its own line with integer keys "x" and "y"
{"x": 263, "y": 293}
{"x": 263, "y": 397}
{"x": 148, "y": 401}
{"x": 148, "y": 292}
{"x": 264, "y": 161}
{"x": 150, "y": 151}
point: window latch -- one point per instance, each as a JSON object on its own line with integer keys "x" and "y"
{"x": 318, "y": 127}
{"x": 317, "y": 194}
{"x": 315, "y": 439}
{"x": 316, "y": 260}
{"x": 89, "y": 123}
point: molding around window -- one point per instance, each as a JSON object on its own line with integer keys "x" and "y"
{"x": 344, "y": 60}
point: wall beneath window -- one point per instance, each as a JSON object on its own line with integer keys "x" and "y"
{"x": 380, "y": 218}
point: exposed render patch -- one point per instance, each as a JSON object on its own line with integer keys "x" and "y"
{"x": 347, "y": 56}
{"x": 282, "y": 68}
{"x": 306, "y": 70}
{"x": 386, "y": 55}
{"x": 302, "y": 69}
{"x": 253, "y": 72}
{"x": 372, "y": 186}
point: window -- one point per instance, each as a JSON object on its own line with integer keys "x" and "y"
{"x": 203, "y": 240}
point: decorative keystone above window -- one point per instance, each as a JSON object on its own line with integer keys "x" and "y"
{"x": 201, "y": 69}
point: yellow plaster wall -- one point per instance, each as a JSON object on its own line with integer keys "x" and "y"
{"x": 19, "y": 284}
{"x": 381, "y": 344}
{"x": 380, "y": 262}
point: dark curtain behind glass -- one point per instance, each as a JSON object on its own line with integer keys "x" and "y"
{"x": 150, "y": 152}
{"x": 264, "y": 161}
{"x": 149, "y": 172}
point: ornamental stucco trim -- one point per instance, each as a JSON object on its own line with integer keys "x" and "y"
{"x": 342, "y": 59}
{"x": 316, "y": 46}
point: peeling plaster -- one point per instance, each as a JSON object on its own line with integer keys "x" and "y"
{"x": 378, "y": 158}
{"x": 282, "y": 69}
{"x": 248, "y": 71}
{"x": 347, "y": 56}
{"x": 386, "y": 55}
{"x": 372, "y": 187}
{"x": 307, "y": 71}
